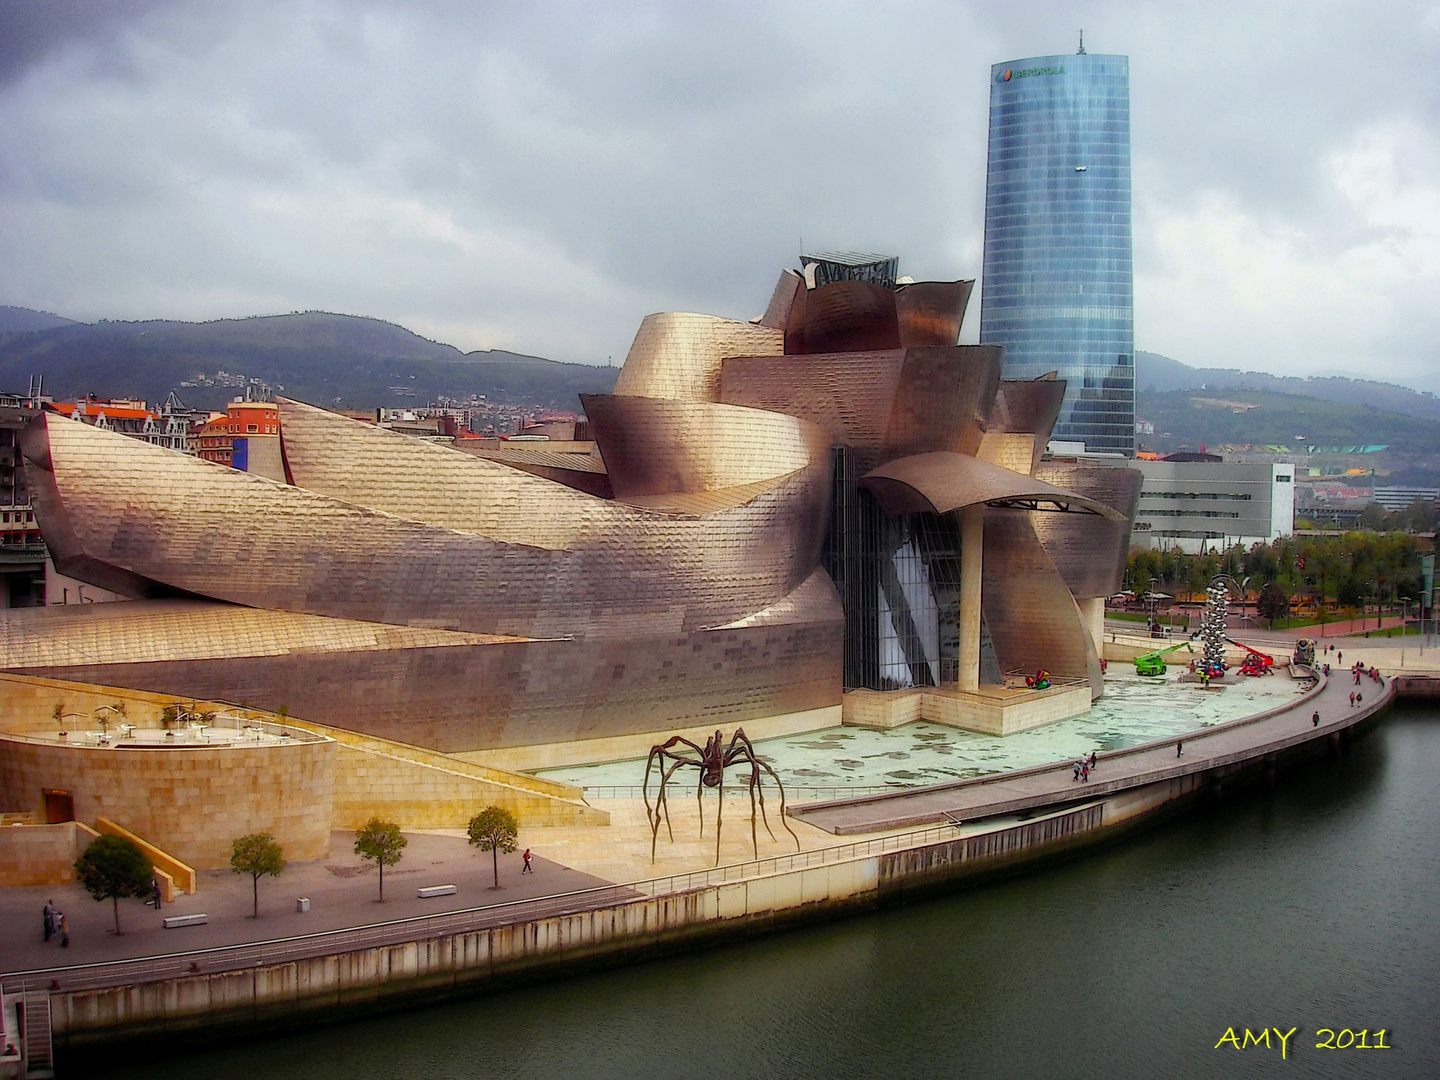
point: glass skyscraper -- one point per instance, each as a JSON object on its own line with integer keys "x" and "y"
{"x": 1058, "y": 282}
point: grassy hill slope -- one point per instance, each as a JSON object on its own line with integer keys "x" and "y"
{"x": 333, "y": 360}
{"x": 1161, "y": 374}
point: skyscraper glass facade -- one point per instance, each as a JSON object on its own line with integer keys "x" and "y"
{"x": 1058, "y": 281}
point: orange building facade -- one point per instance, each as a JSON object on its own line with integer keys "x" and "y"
{"x": 215, "y": 440}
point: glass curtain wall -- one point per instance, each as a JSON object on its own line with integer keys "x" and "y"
{"x": 1058, "y": 281}
{"x": 899, "y": 582}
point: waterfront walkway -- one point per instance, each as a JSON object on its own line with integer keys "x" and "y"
{"x": 558, "y": 889}
{"x": 342, "y": 890}
{"x": 1234, "y": 743}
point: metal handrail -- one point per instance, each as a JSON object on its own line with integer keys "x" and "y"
{"x": 636, "y": 791}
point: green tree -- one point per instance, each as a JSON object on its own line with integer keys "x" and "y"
{"x": 256, "y": 854}
{"x": 494, "y": 829}
{"x": 380, "y": 842}
{"x": 1272, "y": 603}
{"x": 1374, "y": 517}
{"x": 113, "y": 867}
{"x": 1422, "y": 516}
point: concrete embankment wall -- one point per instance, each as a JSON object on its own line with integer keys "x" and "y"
{"x": 344, "y": 985}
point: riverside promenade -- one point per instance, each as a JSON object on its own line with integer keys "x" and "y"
{"x": 908, "y": 843}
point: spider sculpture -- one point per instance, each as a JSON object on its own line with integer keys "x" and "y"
{"x": 712, "y": 762}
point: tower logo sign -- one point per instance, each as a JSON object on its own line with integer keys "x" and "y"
{"x": 1025, "y": 73}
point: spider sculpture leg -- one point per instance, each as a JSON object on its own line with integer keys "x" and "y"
{"x": 754, "y": 842}
{"x": 742, "y": 750}
{"x": 655, "y": 754}
{"x": 700, "y": 798}
{"x": 738, "y": 752}
{"x": 662, "y": 805}
{"x": 661, "y": 753}
{"x": 719, "y": 809}
{"x": 759, "y": 764}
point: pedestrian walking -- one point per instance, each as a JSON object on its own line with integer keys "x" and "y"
{"x": 527, "y": 868}
{"x": 1359, "y": 698}
{"x": 1092, "y": 759}
{"x": 1339, "y": 658}
{"x": 1084, "y": 774}
{"x": 1077, "y": 771}
{"x": 155, "y": 884}
{"x": 1180, "y": 749}
{"x": 1352, "y": 699}
{"x": 49, "y": 917}
{"x": 1315, "y": 720}
{"x": 64, "y": 932}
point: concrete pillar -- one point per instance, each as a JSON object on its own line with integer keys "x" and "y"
{"x": 972, "y": 548}
{"x": 1092, "y": 614}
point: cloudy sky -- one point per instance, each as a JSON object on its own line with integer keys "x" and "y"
{"x": 539, "y": 177}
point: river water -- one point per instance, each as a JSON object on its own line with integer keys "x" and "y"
{"x": 1309, "y": 905}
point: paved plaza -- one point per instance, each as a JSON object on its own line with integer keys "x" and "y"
{"x": 1202, "y": 750}
{"x": 341, "y": 889}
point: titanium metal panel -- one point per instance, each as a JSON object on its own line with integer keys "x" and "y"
{"x": 941, "y": 482}
{"x": 777, "y": 312}
{"x": 1030, "y": 614}
{"x": 782, "y": 460}
{"x": 883, "y": 404}
{"x": 931, "y": 312}
{"x": 158, "y": 515}
{"x": 153, "y": 631}
{"x": 583, "y": 472}
{"x": 1090, "y": 551}
{"x": 654, "y": 447}
{"x": 850, "y": 316}
{"x": 942, "y": 400}
{"x": 1030, "y": 406}
{"x": 458, "y": 697}
{"x": 677, "y": 355}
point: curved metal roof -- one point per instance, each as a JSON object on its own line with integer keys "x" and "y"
{"x": 942, "y": 481}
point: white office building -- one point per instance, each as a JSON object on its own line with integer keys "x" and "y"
{"x": 1213, "y": 504}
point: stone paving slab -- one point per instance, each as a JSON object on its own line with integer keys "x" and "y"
{"x": 1047, "y": 786}
{"x": 342, "y": 891}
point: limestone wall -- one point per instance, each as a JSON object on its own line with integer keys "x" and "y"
{"x": 189, "y": 801}
{"x": 422, "y": 796}
{"x": 41, "y": 854}
{"x": 991, "y": 712}
{"x": 371, "y": 776}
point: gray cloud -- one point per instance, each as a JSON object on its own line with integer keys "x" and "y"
{"x": 540, "y": 179}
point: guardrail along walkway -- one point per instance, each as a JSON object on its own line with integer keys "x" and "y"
{"x": 1236, "y": 742}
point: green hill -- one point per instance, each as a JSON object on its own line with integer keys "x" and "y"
{"x": 1159, "y": 374}
{"x": 341, "y": 361}
{"x": 1188, "y": 419}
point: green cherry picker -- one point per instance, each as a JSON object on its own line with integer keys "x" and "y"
{"x": 1153, "y": 663}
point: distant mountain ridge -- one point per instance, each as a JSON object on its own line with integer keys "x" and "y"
{"x": 1160, "y": 374}
{"x": 23, "y": 320}
{"x": 334, "y": 360}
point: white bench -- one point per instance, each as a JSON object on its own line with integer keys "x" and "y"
{"x": 435, "y": 890}
{"x": 200, "y": 918}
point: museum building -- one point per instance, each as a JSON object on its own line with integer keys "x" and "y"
{"x": 832, "y": 513}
